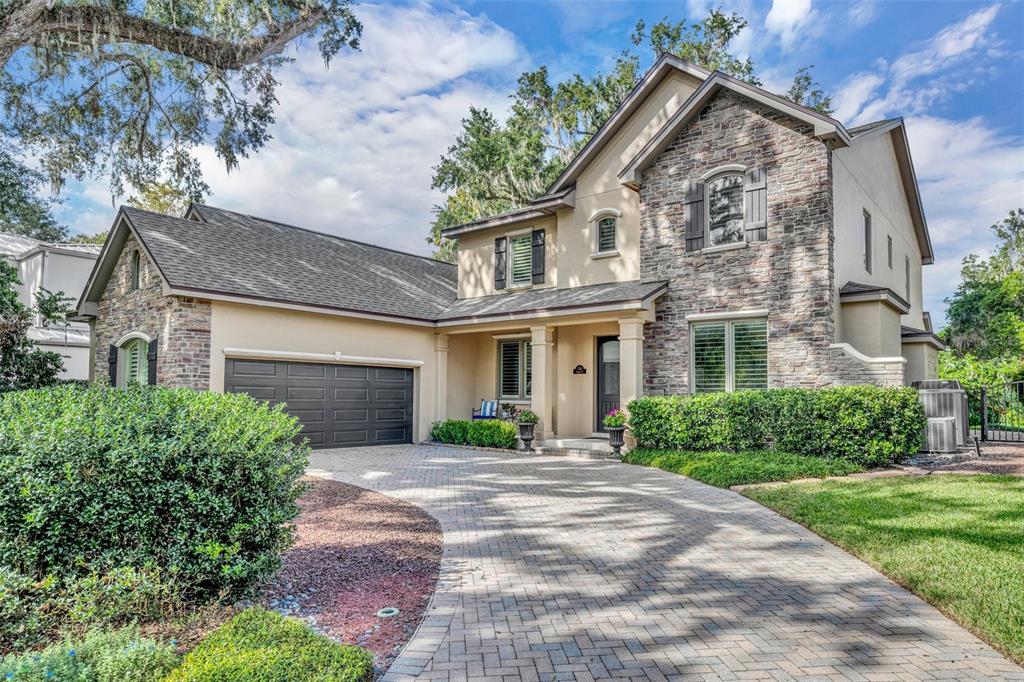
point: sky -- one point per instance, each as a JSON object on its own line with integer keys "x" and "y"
{"x": 354, "y": 144}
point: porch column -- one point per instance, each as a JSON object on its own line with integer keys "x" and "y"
{"x": 542, "y": 349}
{"x": 441, "y": 378}
{"x": 631, "y": 360}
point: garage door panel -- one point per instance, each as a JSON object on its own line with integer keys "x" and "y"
{"x": 337, "y": 405}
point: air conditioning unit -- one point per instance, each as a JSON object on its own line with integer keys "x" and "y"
{"x": 944, "y": 399}
{"x": 940, "y": 434}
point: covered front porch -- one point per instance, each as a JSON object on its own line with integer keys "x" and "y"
{"x": 570, "y": 370}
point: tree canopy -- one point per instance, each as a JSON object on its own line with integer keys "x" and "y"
{"x": 22, "y": 365}
{"x": 495, "y": 166}
{"x": 23, "y": 208}
{"x": 131, "y": 87}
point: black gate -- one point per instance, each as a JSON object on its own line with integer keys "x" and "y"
{"x": 999, "y": 413}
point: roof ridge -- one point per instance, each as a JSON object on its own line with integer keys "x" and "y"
{"x": 322, "y": 234}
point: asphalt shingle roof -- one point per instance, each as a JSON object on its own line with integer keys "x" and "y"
{"x": 236, "y": 254}
{"x": 549, "y": 299}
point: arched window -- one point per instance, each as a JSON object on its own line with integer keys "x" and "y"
{"x": 136, "y": 364}
{"x": 606, "y": 234}
{"x": 135, "y": 269}
{"x": 725, "y": 209}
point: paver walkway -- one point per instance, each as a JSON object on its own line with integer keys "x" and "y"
{"x": 577, "y": 569}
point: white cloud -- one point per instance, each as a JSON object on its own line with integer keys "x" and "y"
{"x": 787, "y": 19}
{"x": 354, "y": 144}
{"x": 862, "y": 13}
{"x": 950, "y": 62}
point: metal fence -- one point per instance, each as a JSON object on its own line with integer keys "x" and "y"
{"x": 998, "y": 414}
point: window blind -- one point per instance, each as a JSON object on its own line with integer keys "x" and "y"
{"x": 709, "y": 358}
{"x": 750, "y": 354}
{"x": 606, "y": 234}
{"x": 509, "y": 369}
{"x": 521, "y": 259}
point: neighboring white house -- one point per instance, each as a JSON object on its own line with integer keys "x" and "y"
{"x": 55, "y": 267}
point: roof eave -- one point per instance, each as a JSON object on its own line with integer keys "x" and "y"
{"x": 541, "y": 208}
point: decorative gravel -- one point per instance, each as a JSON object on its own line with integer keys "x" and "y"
{"x": 357, "y": 552}
{"x": 996, "y": 458}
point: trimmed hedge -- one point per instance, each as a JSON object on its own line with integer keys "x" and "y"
{"x": 866, "y": 425}
{"x": 101, "y": 656}
{"x": 263, "y": 646}
{"x": 484, "y": 433}
{"x": 199, "y": 485}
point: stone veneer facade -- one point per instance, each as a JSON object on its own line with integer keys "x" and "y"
{"x": 790, "y": 274}
{"x": 180, "y": 325}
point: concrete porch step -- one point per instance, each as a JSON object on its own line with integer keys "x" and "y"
{"x": 596, "y": 448}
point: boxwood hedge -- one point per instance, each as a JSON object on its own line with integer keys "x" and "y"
{"x": 201, "y": 485}
{"x": 484, "y": 433}
{"x": 867, "y": 425}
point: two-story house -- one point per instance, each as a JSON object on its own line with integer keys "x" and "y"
{"x": 710, "y": 237}
{"x": 55, "y": 267}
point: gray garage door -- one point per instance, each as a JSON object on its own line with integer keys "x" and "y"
{"x": 339, "y": 405}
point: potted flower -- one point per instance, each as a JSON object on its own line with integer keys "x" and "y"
{"x": 527, "y": 422}
{"x": 615, "y": 422}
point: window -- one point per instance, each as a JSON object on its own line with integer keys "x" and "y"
{"x": 888, "y": 243}
{"x": 725, "y": 209}
{"x": 906, "y": 275}
{"x": 135, "y": 270}
{"x": 514, "y": 370}
{"x": 136, "y": 364}
{"x": 606, "y": 234}
{"x": 730, "y": 356}
{"x": 867, "y": 241}
{"x": 520, "y": 262}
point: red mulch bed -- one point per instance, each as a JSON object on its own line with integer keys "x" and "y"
{"x": 356, "y": 552}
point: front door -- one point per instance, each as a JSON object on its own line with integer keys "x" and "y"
{"x": 607, "y": 377}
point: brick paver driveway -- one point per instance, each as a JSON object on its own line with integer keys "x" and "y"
{"x": 564, "y": 568}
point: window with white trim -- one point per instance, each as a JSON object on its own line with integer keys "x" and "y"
{"x": 606, "y": 234}
{"x": 135, "y": 362}
{"x": 731, "y": 355}
{"x": 520, "y": 260}
{"x": 725, "y": 209}
{"x": 514, "y": 370}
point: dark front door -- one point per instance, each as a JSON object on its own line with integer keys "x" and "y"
{"x": 607, "y": 377}
{"x": 338, "y": 405}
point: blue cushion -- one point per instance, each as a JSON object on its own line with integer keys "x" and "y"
{"x": 489, "y": 408}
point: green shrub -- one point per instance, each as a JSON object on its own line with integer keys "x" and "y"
{"x": 866, "y": 425}
{"x": 198, "y": 484}
{"x": 260, "y": 646}
{"x": 101, "y": 656}
{"x": 26, "y": 618}
{"x": 452, "y": 431}
{"x": 492, "y": 433}
{"x": 484, "y": 433}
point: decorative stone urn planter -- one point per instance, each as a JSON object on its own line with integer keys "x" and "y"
{"x": 526, "y": 435}
{"x": 617, "y": 438}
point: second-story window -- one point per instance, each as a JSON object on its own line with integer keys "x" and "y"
{"x": 906, "y": 275}
{"x": 725, "y": 209}
{"x": 867, "y": 241}
{"x": 520, "y": 262}
{"x": 606, "y": 234}
{"x": 136, "y": 267}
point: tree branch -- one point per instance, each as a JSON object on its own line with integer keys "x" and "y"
{"x": 24, "y": 21}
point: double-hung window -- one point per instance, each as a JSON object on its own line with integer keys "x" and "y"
{"x": 729, "y": 355}
{"x": 520, "y": 262}
{"x": 514, "y": 369}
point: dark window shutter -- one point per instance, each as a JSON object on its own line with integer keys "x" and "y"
{"x": 538, "y": 256}
{"x": 755, "y": 191}
{"x": 693, "y": 214}
{"x": 112, "y": 364}
{"x": 151, "y": 364}
{"x": 499, "y": 263}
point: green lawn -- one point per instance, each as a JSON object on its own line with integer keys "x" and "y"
{"x": 957, "y": 541}
{"x": 724, "y": 469}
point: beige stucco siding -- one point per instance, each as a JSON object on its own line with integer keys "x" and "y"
{"x": 922, "y": 361}
{"x": 866, "y": 177}
{"x": 273, "y": 329}
{"x": 576, "y": 393}
{"x": 476, "y": 256}
{"x": 872, "y": 327}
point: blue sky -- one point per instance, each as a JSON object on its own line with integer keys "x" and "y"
{"x": 354, "y": 144}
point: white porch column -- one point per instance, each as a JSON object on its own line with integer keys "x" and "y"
{"x": 441, "y": 378}
{"x": 542, "y": 349}
{"x": 631, "y": 359}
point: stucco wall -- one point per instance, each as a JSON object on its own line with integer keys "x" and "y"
{"x": 476, "y": 257}
{"x": 871, "y": 327}
{"x": 274, "y": 329}
{"x": 922, "y": 362}
{"x": 866, "y": 177}
{"x": 576, "y": 393}
{"x": 180, "y": 325}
